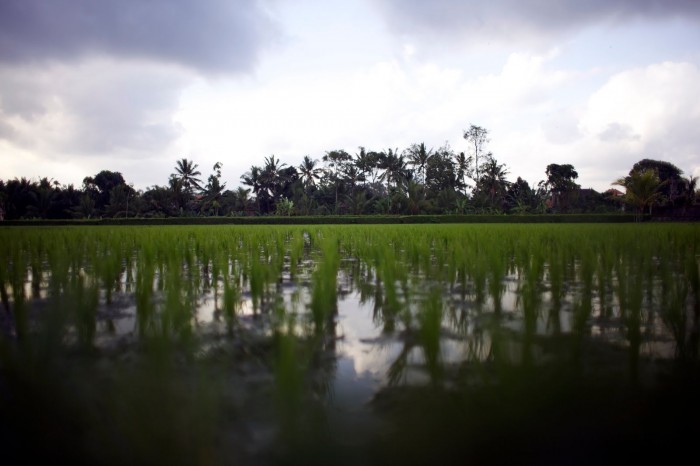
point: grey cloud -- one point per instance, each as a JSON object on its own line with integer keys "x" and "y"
{"x": 91, "y": 108}
{"x": 213, "y": 36}
{"x": 618, "y": 132}
{"x": 501, "y": 20}
{"x": 7, "y": 132}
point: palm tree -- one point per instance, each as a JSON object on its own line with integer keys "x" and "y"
{"x": 309, "y": 172}
{"x": 418, "y": 157}
{"x": 271, "y": 180}
{"x": 463, "y": 164}
{"x": 241, "y": 199}
{"x": 177, "y": 192}
{"x": 415, "y": 193}
{"x": 394, "y": 167}
{"x": 643, "y": 189}
{"x": 493, "y": 181}
{"x": 187, "y": 172}
{"x": 352, "y": 176}
{"x": 253, "y": 179}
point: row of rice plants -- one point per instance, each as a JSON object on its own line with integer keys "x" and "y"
{"x": 498, "y": 295}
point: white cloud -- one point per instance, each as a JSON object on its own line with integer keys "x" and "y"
{"x": 653, "y": 112}
{"x": 648, "y": 112}
{"x": 389, "y": 104}
{"x": 101, "y": 114}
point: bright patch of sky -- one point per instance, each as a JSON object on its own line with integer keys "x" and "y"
{"x": 598, "y": 87}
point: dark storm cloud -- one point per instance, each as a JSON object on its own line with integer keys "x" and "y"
{"x": 516, "y": 19}
{"x": 213, "y": 35}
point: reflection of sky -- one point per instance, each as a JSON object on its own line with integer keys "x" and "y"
{"x": 364, "y": 353}
{"x": 355, "y": 324}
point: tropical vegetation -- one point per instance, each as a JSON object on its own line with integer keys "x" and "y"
{"x": 414, "y": 181}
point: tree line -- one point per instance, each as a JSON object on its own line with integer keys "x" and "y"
{"x": 416, "y": 180}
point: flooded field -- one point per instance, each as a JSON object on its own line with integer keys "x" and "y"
{"x": 465, "y": 344}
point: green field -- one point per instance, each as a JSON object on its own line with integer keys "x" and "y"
{"x": 349, "y": 344}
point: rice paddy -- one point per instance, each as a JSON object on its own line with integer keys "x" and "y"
{"x": 349, "y": 344}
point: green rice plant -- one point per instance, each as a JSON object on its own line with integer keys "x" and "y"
{"x": 530, "y": 298}
{"x": 144, "y": 292}
{"x": 430, "y": 319}
{"x": 443, "y": 292}
{"x": 324, "y": 294}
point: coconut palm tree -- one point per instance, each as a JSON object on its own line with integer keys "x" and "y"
{"x": 394, "y": 167}
{"x": 253, "y": 178}
{"x": 418, "y": 156}
{"x": 643, "y": 189}
{"x": 242, "y": 199}
{"x": 493, "y": 182}
{"x": 367, "y": 162}
{"x": 186, "y": 171}
{"x": 308, "y": 171}
{"x": 464, "y": 169}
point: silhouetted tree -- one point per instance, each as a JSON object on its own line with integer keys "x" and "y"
{"x": 642, "y": 189}
{"x": 674, "y": 188}
{"x": 560, "y": 183}
{"x": 477, "y": 137}
{"x": 417, "y": 156}
{"x": 186, "y": 171}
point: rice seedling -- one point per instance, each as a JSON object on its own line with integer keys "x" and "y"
{"x": 204, "y": 319}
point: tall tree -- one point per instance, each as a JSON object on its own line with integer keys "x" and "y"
{"x": 440, "y": 172}
{"x": 418, "y": 155}
{"x": 270, "y": 177}
{"x": 309, "y": 172}
{"x": 186, "y": 171}
{"x": 493, "y": 184}
{"x": 394, "y": 167}
{"x": 352, "y": 176}
{"x": 366, "y": 163}
{"x": 253, "y": 179}
{"x": 464, "y": 169}
{"x": 477, "y": 137}
{"x": 336, "y": 160}
{"x": 560, "y": 183}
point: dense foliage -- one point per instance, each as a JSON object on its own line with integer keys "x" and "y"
{"x": 416, "y": 181}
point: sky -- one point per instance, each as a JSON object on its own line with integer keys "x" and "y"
{"x": 135, "y": 85}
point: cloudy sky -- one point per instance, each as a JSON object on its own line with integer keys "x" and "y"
{"x": 134, "y": 85}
